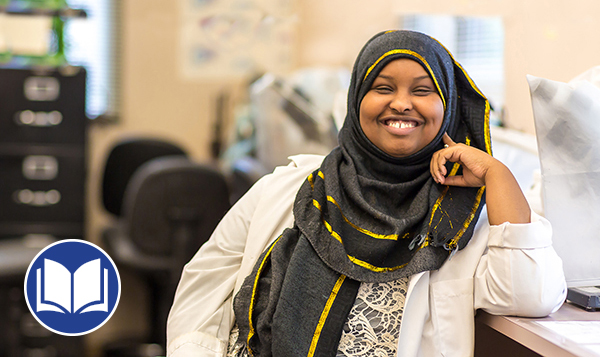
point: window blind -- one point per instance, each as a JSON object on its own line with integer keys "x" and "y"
{"x": 93, "y": 42}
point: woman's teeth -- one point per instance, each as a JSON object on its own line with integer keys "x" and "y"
{"x": 402, "y": 124}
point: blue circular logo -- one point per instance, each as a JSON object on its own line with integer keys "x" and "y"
{"x": 72, "y": 287}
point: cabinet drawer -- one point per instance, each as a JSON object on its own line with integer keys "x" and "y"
{"x": 42, "y": 108}
{"x": 41, "y": 188}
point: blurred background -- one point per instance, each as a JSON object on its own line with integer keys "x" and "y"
{"x": 235, "y": 86}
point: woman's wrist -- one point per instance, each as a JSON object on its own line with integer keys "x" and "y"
{"x": 505, "y": 200}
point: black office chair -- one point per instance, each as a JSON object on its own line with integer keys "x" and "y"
{"x": 170, "y": 207}
{"x": 124, "y": 159}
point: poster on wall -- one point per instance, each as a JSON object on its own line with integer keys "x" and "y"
{"x": 230, "y": 39}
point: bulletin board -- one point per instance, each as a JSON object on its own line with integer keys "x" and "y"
{"x": 229, "y": 39}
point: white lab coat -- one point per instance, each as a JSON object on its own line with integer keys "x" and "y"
{"x": 509, "y": 269}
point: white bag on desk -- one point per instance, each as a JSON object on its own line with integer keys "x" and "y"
{"x": 567, "y": 121}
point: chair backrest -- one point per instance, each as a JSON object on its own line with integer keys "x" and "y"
{"x": 123, "y": 160}
{"x": 172, "y": 205}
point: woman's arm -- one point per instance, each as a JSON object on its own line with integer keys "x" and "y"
{"x": 520, "y": 273}
{"x": 199, "y": 320}
{"x": 504, "y": 198}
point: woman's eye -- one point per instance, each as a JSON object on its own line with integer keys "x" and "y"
{"x": 422, "y": 91}
{"x": 382, "y": 89}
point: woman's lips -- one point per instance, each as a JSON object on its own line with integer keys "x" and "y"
{"x": 400, "y": 126}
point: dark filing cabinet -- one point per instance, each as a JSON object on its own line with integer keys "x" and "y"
{"x": 42, "y": 152}
{"x": 42, "y": 192}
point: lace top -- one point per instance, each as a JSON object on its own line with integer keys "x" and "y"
{"x": 373, "y": 324}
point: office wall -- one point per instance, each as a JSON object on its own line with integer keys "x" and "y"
{"x": 551, "y": 38}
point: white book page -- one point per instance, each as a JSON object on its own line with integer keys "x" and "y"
{"x": 86, "y": 284}
{"x": 40, "y": 306}
{"x": 57, "y": 284}
{"x": 104, "y": 305}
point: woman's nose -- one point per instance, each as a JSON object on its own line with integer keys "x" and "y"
{"x": 401, "y": 102}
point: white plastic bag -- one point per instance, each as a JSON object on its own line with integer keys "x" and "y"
{"x": 567, "y": 121}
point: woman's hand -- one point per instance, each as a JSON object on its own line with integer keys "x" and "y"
{"x": 475, "y": 164}
{"x": 505, "y": 200}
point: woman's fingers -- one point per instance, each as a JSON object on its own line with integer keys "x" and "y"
{"x": 440, "y": 158}
{"x": 438, "y": 166}
{"x": 455, "y": 181}
{"x": 447, "y": 140}
{"x": 451, "y": 153}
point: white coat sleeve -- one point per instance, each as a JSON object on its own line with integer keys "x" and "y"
{"x": 520, "y": 274}
{"x": 200, "y": 319}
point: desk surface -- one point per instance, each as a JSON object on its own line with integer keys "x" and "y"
{"x": 538, "y": 338}
{"x": 17, "y": 253}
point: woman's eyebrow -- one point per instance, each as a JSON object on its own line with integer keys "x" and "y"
{"x": 385, "y": 76}
{"x": 422, "y": 77}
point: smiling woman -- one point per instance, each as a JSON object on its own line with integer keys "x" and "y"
{"x": 331, "y": 256}
{"x": 403, "y": 111}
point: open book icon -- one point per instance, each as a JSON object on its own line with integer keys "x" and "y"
{"x": 84, "y": 285}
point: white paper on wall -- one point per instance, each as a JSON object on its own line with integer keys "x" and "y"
{"x": 567, "y": 122}
{"x": 229, "y": 39}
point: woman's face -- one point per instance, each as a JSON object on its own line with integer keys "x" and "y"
{"x": 402, "y": 112}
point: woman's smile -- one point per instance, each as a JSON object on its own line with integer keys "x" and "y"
{"x": 399, "y": 125}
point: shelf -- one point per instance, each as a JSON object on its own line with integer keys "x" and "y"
{"x": 16, "y": 8}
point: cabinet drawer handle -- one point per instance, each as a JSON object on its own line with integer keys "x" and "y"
{"x": 40, "y": 167}
{"x": 37, "y": 198}
{"x": 41, "y": 89}
{"x": 38, "y": 119}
